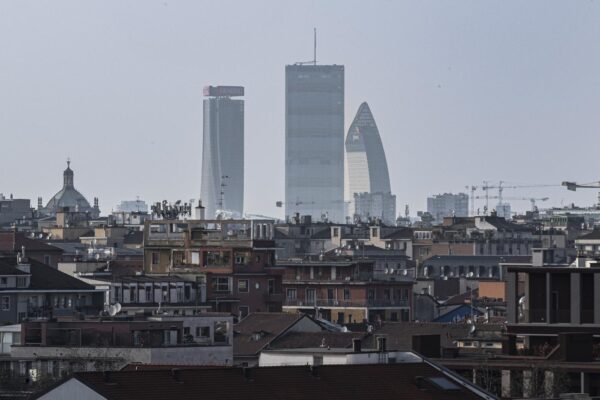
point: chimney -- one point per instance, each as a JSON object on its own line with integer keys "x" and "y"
{"x": 22, "y": 262}
{"x": 356, "y": 345}
{"x": 40, "y": 204}
{"x": 199, "y": 211}
{"x": 381, "y": 344}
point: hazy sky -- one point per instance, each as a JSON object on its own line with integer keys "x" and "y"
{"x": 462, "y": 91}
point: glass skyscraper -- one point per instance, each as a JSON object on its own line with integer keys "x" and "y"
{"x": 368, "y": 179}
{"x": 223, "y": 151}
{"x": 314, "y": 141}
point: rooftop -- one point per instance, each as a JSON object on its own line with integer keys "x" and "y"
{"x": 394, "y": 381}
{"x": 257, "y": 330}
{"x": 44, "y": 277}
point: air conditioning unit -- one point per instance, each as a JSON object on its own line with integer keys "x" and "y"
{"x": 348, "y": 278}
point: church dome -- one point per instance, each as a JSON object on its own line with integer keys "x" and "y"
{"x": 68, "y": 196}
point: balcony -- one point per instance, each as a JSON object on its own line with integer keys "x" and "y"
{"x": 332, "y": 303}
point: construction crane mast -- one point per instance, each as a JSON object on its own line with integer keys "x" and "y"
{"x": 500, "y": 187}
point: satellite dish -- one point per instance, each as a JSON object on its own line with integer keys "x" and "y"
{"x": 112, "y": 311}
{"x": 118, "y": 307}
{"x": 471, "y": 329}
{"x": 391, "y": 270}
{"x": 405, "y": 272}
{"x": 470, "y": 274}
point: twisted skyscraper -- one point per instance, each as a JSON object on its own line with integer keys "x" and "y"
{"x": 223, "y": 151}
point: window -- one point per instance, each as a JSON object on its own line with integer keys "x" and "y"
{"x": 132, "y": 294}
{"x": 187, "y": 292}
{"x": 243, "y": 286}
{"x": 186, "y": 330}
{"x": 155, "y": 258}
{"x": 244, "y": 311}
{"x": 148, "y": 293}
{"x": 271, "y": 286}
{"x": 336, "y": 232}
{"x": 4, "y": 281}
{"x": 346, "y": 294}
{"x": 291, "y": 294}
{"x": 371, "y": 294}
{"x": 221, "y": 331}
{"x": 374, "y": 232}
{"x": 220, "y": 284}
{"x": 5, "y": 303}
{"x": 46, "y": 259}
{"x": 203, "y": 331}
{"x": 240, "y": 259}
{"x": 310, "y": 296}
{"x": 216, "y": 258}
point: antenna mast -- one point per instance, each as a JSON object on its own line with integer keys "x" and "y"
{"x": 315, "y": 48}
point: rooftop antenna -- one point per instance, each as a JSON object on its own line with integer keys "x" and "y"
{"x": 314, "y": 60}
{"x": 315, "y": 48}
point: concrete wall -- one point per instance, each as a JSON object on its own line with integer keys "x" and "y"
{"x": 198, "y": 355}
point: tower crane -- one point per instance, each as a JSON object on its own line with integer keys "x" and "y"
{"x": 531, "y": 199}
{"x": 591, "y": 185}
{"x": 501, "y": 186}
{"x": 574, "y": 185}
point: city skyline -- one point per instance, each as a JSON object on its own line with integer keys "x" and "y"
{"x": 445, "y": 79}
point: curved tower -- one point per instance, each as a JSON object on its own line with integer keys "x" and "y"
{"x": 368, "y": 189}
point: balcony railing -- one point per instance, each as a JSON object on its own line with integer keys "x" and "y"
{"x": 345, "y": 303}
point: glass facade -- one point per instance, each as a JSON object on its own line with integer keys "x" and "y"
{"x": 223, "y": 156}
{"x": 314, "y": 141}
{"x": 368, "y": 179}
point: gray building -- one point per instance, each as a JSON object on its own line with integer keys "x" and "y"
{"x": 448, "y": 205}
{"x": 223, "y": 151}
{"x": 13, "y": 209}
{"x": 376, "y": 205}
{"x": 368, "y": 181}
{"x": 314, "y": 141}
